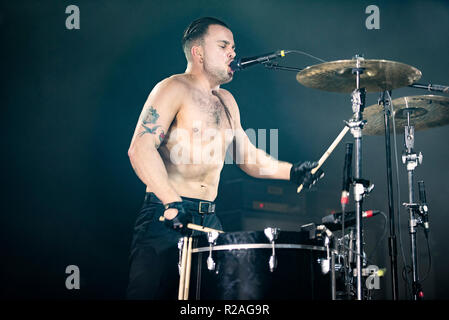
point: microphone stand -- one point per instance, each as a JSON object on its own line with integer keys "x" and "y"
{"x": 412, "y": 160}
{"x": 385, "y": 101}
{"x": 275, "y": 66}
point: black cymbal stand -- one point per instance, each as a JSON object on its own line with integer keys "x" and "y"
{"x": 412, "y": 160}
{"x": 360, "y": 186}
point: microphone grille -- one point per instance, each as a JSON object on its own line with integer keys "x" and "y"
{"x": 235, "y": 65}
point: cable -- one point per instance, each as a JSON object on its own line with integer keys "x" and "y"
{"x": 382, "y": 237}
{"x": 430, "y": 260}
{"x": 398, "y": 209}
{"x": 306, "y": 54}
{"x": 365, "y": 259}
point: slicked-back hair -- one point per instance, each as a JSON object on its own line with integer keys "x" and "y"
{"x": 196, "y": 31}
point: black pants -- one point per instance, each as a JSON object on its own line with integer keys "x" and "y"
{"x": 153, "y": 269}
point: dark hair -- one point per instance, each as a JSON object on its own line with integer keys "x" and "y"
{"x": 197, "y": 30}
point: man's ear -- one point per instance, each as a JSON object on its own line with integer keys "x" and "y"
{"x": 197, "y": 53}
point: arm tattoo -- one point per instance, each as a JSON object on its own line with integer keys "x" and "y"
{"x": 150, "y": 117}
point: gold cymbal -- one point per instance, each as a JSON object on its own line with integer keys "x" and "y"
{"x": 426, "y": 112}
{"x": 378, "y": 75}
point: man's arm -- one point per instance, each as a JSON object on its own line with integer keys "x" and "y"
{"x": 253, "y": 161}
{"x": 159, "y": 110}
{"x": 257, "y": 163}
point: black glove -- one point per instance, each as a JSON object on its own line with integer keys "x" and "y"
{"x": 300, "y": 173}
{"x": 182, "y": 218}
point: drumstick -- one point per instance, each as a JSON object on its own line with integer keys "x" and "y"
{"x": 327, "y": 153}
{"x": 197, "y": 227}
{"x": 188, "y": 267}
{"x": 183, "y": 270}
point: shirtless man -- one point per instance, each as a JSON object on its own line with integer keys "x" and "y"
{"x": 178, "y": 151}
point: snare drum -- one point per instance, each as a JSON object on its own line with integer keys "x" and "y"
{"x": 258, "y": 265}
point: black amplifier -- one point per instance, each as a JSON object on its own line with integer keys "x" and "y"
{"x": 254, "y": 204}
{"x": 275, "y": 196}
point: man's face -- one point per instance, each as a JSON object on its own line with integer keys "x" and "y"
{"x": 218, "y": 45}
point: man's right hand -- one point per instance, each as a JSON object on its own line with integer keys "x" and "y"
{"x": 176, "y": 217}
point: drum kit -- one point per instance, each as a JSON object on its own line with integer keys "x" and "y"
{"x": 275, "y": 264}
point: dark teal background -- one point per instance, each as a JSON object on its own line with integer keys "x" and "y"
{"x": 70, "y": 100}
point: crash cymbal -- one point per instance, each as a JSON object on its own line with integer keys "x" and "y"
{"x": 378, "y": 75}
{"x": 426, "y": 111}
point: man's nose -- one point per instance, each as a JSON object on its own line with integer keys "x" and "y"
{"x": 231, "y": 54}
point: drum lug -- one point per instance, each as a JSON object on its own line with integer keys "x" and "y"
{"x": 210, "y": 262}
{"x": 325, "y": 263}
{"x": 272, "y": 235}
{"x": 211, "y": 238}
{"x": 180, "y": 245}
{"x": 273, "y": 263}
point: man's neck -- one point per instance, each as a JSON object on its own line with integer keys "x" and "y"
{"x": 203, "y": 80}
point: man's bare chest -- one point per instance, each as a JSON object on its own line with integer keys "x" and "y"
{"x": 208, "y": 109}
{"x": 203, "y": 122}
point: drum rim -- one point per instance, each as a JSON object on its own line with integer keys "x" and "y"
{"x": 257, "y": 246}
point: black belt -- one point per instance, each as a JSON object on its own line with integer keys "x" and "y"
{"x": 200, "y": 206}
{"x": 206, "y": 207}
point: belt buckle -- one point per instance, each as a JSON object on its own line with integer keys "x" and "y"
{"x": 210, "y": 207}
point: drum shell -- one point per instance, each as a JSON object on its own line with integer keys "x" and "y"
{"x": 243, "y": 273}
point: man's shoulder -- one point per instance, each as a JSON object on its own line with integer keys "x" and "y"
{"x": 174, "y": 82}
{"x": 170, "y": 90}
{"x": 225, "y": 93}
{"x": 229, "y": 98}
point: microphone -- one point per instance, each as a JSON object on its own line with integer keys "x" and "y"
{"x": 423, "y": 207}
{"x": 347, "y": 172}
{"x": 438, "y": 87}
{"x": 333, "y": 221}
{"x": 242, "y": 63}
{"x": 431, "y": 87}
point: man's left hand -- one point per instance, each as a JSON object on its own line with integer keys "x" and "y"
{"x": 301, "y": 174}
